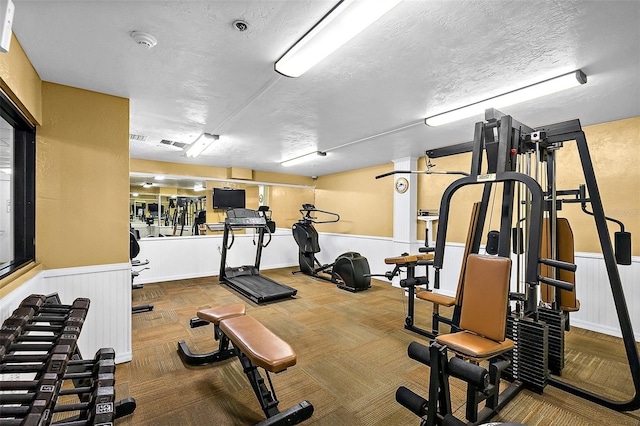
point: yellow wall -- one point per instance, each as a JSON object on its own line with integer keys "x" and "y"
{"x": 21, "y": 82}
{"x": 178, "y": 169}
{"x": 364, "y": 203}
{"x": 259, "y": 176}
{"x": 288, "y": 202}
{"x": 82, "y": 178}
{"x": 615, "y": 155}
{"x": 82, "y": 167}
{"x": 195, "y": 170}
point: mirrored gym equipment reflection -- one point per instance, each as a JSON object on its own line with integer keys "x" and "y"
{"x": 163, "y": 206}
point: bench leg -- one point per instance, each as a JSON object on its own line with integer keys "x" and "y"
{"x": 268, "y": 400}
{"x": 292, "y": 416}
{"x": 266, "y": 397}
{"x": 223, "y": 352}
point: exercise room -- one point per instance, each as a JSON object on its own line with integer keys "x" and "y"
{"x": 327, "y": 212}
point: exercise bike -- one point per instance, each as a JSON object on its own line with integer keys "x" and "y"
{"x": 350, "y": 271}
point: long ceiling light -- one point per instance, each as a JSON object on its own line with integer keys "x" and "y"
{"x": 303, "y": 158}
{"x": 553, "y": 85}
{"x": 341, "y": 24}
{"x": 199, "y": 145}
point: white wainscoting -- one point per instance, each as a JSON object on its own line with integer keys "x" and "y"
{"x": 375, "y": 249}
{"x": 173, "y": 258}
{"x": 176, "y": 258}
{"x": 597, "y": 310}
{"x": 108, "y": 322}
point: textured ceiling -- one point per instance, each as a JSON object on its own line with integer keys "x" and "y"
{"x": 365, "y": 104}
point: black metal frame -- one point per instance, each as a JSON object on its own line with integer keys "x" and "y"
{"x": 410, "y": 282}
{"x": 515, "y": 138}
{"x": 24, "y": 206}
{"x": 223, "y": 352}
{"x": 572, "y": 131}
{"x": 482, "y": 385}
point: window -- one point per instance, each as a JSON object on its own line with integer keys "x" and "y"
{"x": 17, "y": 188}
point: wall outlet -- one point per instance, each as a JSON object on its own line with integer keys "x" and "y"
{"x": 6, "y": 20}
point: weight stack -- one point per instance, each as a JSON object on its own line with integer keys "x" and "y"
{"x": 529, "y": 354}
{"x": 555, "y": 320}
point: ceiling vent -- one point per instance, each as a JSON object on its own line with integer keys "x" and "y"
{"x": 173, "y": 143}
{"x": 137, "y": 138}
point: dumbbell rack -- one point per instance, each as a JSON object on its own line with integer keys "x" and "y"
{"x": 48, "y": 382}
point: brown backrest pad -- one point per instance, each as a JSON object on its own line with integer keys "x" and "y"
{"x": 258, "y": 343}
{"x": 565, "y": 252}
{"x": 473, "y": 225}
{"x": 217, "y": 314}
{"x": 486, "y": 294}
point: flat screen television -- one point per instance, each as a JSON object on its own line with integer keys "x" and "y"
{"x": 227, "y": 198}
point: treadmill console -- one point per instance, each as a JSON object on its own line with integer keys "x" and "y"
{"x": 246, "y": 218}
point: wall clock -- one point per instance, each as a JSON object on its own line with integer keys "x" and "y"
{"x": 402, "y": 185}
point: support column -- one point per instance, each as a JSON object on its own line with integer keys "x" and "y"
{"x": 405, "y": 208}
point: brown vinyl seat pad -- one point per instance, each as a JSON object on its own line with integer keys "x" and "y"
{"x": 438, "y": 299}
{"x": 217, "y": 314}
{"x": 410, "y": 258}
{"x": 258, "y": 343}
{"x": 574, "y": 308}
{"x": 473, "y": 346}
{"x": 401, "y": 259}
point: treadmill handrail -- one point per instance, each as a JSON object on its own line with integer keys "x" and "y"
{"x": 269, "y": 240}
{"x": 233, "y": 238}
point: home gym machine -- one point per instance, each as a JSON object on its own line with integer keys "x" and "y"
{"x": 518, "y": 158}
{"x": 247, "y": 280}
{"x": 350, "y": 270}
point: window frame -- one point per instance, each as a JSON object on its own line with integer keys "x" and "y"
{"x": 24, "y": 182}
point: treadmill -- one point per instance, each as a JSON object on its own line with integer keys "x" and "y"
{"x": 247, "y": 280}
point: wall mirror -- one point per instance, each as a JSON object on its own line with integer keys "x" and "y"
{"x": 162, "y": 206}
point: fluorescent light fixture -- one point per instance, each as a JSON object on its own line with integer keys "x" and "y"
{"x": 198, "y": 187}
{"x": 341, "y": 24}
{"x": 199, "y": 145}
{"x": 159, "y": 178}
{"x": 134, "y": 194}
{"x": 553, "y": 85}
{"x": 303, "y": 158}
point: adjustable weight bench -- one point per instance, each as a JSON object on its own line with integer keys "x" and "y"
{"x": 256, "y": 347}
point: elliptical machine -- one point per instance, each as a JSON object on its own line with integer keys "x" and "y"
{"x": 350, "y": 271}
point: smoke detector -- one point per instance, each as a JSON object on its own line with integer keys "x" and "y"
{"x": 240, "y": 25}
{"x": 144, "y": 39}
